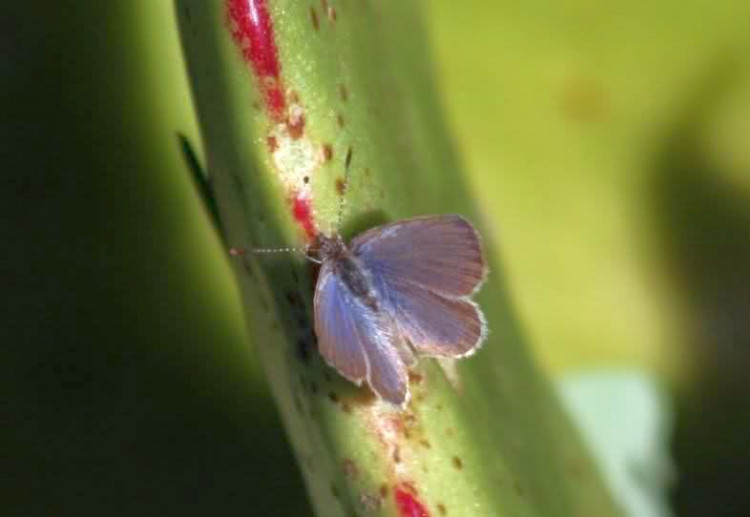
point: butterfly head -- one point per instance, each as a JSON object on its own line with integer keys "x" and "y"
{"x": 329, "y": 247}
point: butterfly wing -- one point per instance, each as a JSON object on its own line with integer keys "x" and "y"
{"x": 358, "y": 342}
{"x": 423, "y": 270}
{"x": 440, "y": 253}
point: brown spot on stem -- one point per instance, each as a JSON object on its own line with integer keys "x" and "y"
{"x": 350, "y": 469}
{"x": 332, "y": 14}
{"x": 296, "y": 122}
{"x": 340, "y": 186}
{"x": 458, "y": 463}
{"x": 327, "y": 152}
{"x": 396, "y": 454}
{"x": 314, "y": 18}
{"x": 343, "y": 93}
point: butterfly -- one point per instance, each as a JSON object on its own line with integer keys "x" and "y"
{"x": 397, "y": 292}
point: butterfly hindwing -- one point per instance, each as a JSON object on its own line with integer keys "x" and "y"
{"x": 436, "y": 325}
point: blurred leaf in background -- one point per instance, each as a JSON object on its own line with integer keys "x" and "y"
{"x": 128, "y": 384}
{"x": 610, "y": 145}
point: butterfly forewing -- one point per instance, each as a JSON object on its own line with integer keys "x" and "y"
{"x": 359, "y": 342}
{"x": 440, "y": 253}
{"x": 335, "y": 326}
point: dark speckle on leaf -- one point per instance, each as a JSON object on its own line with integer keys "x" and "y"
{"x": 303, "y": 350}
{"x": 332, "y": 14}
{"x": 396, "y": 454}
{"x": 350, "y": 468}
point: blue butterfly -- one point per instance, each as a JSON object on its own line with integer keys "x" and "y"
{"x": 396, "y": 292}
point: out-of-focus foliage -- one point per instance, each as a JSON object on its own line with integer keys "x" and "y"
{"x": 562, "y": 111}
{"x": 127, "y": 384}
{"x": 610, "y": 145}
{"x": 625, "y": 417}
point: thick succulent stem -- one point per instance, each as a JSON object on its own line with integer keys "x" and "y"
{"x": 287, "y": 93}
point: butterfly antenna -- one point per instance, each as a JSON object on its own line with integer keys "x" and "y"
{"x": 344, "y": 187}
{"x": 253, "y": 251}
{"x": 308, "y": 252}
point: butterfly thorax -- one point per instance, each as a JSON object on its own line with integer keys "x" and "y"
{"x": 332, "y": 250}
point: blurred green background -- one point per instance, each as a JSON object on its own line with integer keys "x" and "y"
{"x": 608, "y": 144}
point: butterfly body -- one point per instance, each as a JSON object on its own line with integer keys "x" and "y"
{"x": 333, "y": 250}
{"x": 398, "y": 291}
